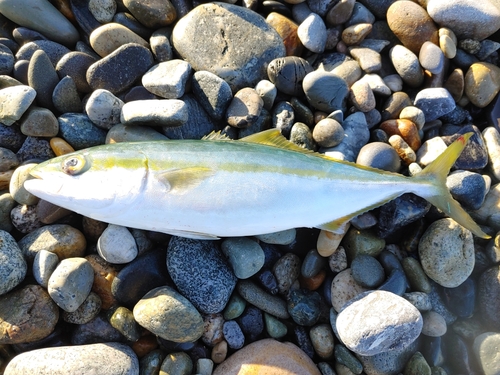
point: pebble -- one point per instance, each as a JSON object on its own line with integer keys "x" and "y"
{"x": 233, "y": 335}
{"x": 6, "y": 60}
{"x": 200, "y": 273}
{"x": 42, "y": 77}
{"x": 325, "y": 91}
{"x": 266, "y": 302}
{"x": 482, "y": 83}
{"x": 367, "y": 271}
{"x": 488, "y": 297}
{"x": 369, "y": 60}
{"x": 117, "y": 245}
{"x": 75, "y": 65}
{"x": 245, "y": 256}
{"x": 122, "y": 319}
{"x": 461, "y": 16}
{"x": 312, "y": 33}
{"x": 287, "y": 29}
{"x": 104, "y": 274}
{"x": 434, "y": 102}
{"x": 274, "y": 327}
{"x": 284, "y": 237}
{"x": 362, "y": 96}
{"x": 44, "y": 265}
{"x": 87, "y": 311}
{"x": 13, "y": 267}
{"x": 168, "y": 79}
{"x": 163, "y": 112}
{"x": 287, "y": 74}
{"x": 417, "y": 365}
{"x": 70, "y": 283}
{"x": 328, "y": 133}
{"x": 404, "y": 128}
{"x": 102, "y": 10}
{"x": 344, "y": 288}
{"x": 268, "y": 92}
{"x": 377, "y": 84}
{"x": 16, "y": 100}
{"x": 448, "y": 46}
{"x": 244, "y": 109}
{"x": 468, "y": 188}
{"x": 251, "y": 323}
{"x": 120, "y": 69}
{"x": 356, "y": 135}
{"x": 213, "y": 93}
{"x": 154, "y": 14}
{"x": 7, "y": 203}
{"x": 103, "y": 109}
{"x": 304, "y": 306}
{"x": 111, "y": 358}
{"x": 407, "y": 65}
{"x": 168, "y": 314}
{"x": 240, "y": 67}
{"x": 392, "y": 331}
{"x": 286, "y": 270}
{"x": 358, "y": 242}
{"x": 53, "y": 50}
{"x": 26, "y": 315}
{"x": 416, "y": 276}
{"x": 485, "y": 349}
{"x": 107, "y": 38}
{"x": 25, "y": 219}
{"x": 268, "y": 355}
{"x": 283, "y": 119}
{"x": 412, "y": 25}
{"x": 447, "y": 253}
{"x": 61, "y": 239}
{"x": 379, "y": 155}
{"x": 431, "y": 57}
{"x": 178, "y": 363}
{"x": 60, "y": 147}
{"x": 322, "y": 340}
{"x": 419, "y": 299}
{"x": 160, "y": 45}
{"x": 16, "y": 187}
{"x": 44, "y": 18}
{"x": 79, "y": 131}
{"x": 434, "y": 324}
{"x": 126, "y": 287}
{"x": 39, "y": 122}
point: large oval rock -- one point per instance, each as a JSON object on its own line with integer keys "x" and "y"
{"x": 210, "y": 36}
{"x": 268, "y": 356}
{"x": 378, "y": 321}
{"x": 12, "y": 264}
{"x": 166, "y": 313}
{"x": 111, "y": 358}
{"x": 201, "y": 273}
{"x": 27, "y": 315}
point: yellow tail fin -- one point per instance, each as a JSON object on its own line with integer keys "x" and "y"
{"x": 435, "y": 174}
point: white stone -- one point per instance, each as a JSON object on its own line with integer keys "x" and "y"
{"x": 117, "y": 245}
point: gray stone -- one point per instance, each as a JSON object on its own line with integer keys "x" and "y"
{"x": 312, "y": 33}
{"x": 70, "y": 283}
{"x": 79, "y": 131}
{"x": 160, "y": 44}
{"x": 287, "y": 74}
{"x": 485, "y": 348}
{"x": 75, "y": 65}
{"x": 325, "y": 91}
{"x": 111, "y": 358}
{"x": 377, "y": 321}
{"x": 328, "y": 133}
{"x": 42, "y": 17}
{"x": 166, "y": 313}
{"x": 8, "y": 159}
{"x": 87, "y": 311}
{"x": 102, "y": 10}
{"x": 44, "y": 264}
{"x": 200, "y": 272}
{"x": 379, "y": 155}
{"x": 153, "y": 112}
{"x": 434, "y": 102}
{"x": 54, "y": 51}
{"x": 6, "y": 60}
{"x": 369, "y": 60}
{"x": 356, "y": 136}
{"x": 132, "y": 133}
{"x": 244, "y": 109}
{"x": 431, "y": 57}
{"x": 152, "y": 14}
{"x": 268, "y": 303}
{"x": 39, "y": 122}
{"x": 168, "y": 79}
{"x": 284, "y": 237}
{"x": 219, "y": 30}
{"x": 434, "y": 324}
{"x": 104, "y": 109}
{"x": 213, "y": 93}
{"x": 16, "y": 187}
{"x": 233, "y": 335}
{"x": 12, "y": 264}
{"x": 407, "y": 65}
{"x": 117, "y": 245}
{"x": 245, "y": 256}
{"x": 15, "y": 101}
{"x": 283, "y": 117}
{"x": 488, "y": 297}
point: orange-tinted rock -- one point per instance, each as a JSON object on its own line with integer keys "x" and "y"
{"x": 266, "y": 357}
{"x": 313, "y": 283}
{"x": 144, "y": 345}
{"x": 60, "y": 146}
{"x": 287, "y": 29}
{"x": 104, "y": 274}
{"x": 404, "y": 128}
{"x": 411, "y": 24}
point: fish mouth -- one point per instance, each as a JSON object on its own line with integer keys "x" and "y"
{"x": 43, "y": 188}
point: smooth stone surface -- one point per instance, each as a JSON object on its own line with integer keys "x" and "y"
{"x": 16, "y": 186}
{"x": 407, "y": 65}
{"x": 220, "y": 28}
{"x": 39, "y": 122}
{"x": 245, "y": 256}
{"x": 434, "y": 102}
{"x": 117, "y": 245}
{"x": 468, "y": 188}
{"x": 15, "y": 100}
{"x": 467, "y": 18}
{"x": 111, "y": 358}
{"x": 87, "y": 311}
{"x": 120, "y": 69}
{"x": 13, "y": 267}
{"x": 434, "y": 324}
{"x": 153, "y": 112}
{"x": 168, "y": 314}
{"x": 61, "y": 239}
{"x": 178, "y": 363}
{"x": 344, "y": 288}
{"x": 200, "y": 272}
{"x": 284, "y": 237}
{"x": 42, "y": 77}
{"x": 379, "y": 155}
{"x": 245, "y": 108}
{"x": 44, "y": 264}
{"x": 447, "y": 253}
{"x": 367, "y": 271}
{"x": 152, "y": 14}
{"x": 26, "y": 315}
{"x": 486, "y": 351}
{"x": 378, "y": 321}
{"x": 42, "y": 17}
{"x": 287, "y": 74}
{"x": 266, "y": 302}
{"x": 79, "y": 131}
{"x": 482, "y": 83}
{"x": 268, "y": 356}
{"x": 287, "y": 29}
{"x": 213, "y": 93}
{"x": 233, "y": 335}
{"x": 104, "y": 109}
{"x": 328, "y": 133}
{"x": 325, "y": 91}
{"x": 431, "y": 57}
{"x": 312, "y": 33}
{"x": 107, "y": 38}
{"x": 75, "y": 64}
{"x": 122, "y": 319}
{"x": 168, "y": 79}
{"x": 417, "y": 365}
{"x": 70, "y": 283}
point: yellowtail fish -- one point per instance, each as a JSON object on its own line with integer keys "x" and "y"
{"x": 213, "y": 188}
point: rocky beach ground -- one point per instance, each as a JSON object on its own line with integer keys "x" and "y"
{"x": 383, "y": 83}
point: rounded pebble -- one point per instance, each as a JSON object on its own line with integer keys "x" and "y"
{"x": 367, "y": 271}
{"x": 87, "y": 311}
{"x": 103, "y": 109}
{"x": 13, "y": 267}
{"x": 44, "y": 264}
{"x": 379, "y": 155}
{"x": 245, "y": 256}
{"x": 117, "y": 245}
{"x": 312, "y": 33}
{"x": 434, "y": 324}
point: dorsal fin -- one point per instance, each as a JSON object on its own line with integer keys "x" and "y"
{"x": 273, "y": 137}
{"x": 216, "y": 136}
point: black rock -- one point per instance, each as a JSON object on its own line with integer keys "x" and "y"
{"x": 251, "y": 323}
{"x": 287, "y": 74}
{"x": 468, "y": 188}
{"x": 489, "y": 297}
{"x": 96, "y": 331}
{"x": 367, "y": 271}
{"x": 304, "y": 306}
{"x": 461, "y": 300}
{"x": 268, "y": 281}
{"x": 11, "y": 137}
{"x": 35, "y": 149}
{"x": 395, "y": 283}
{"x": 303, "y": 340}
{"x": 474, "y": 155}
{"x": 432, "y": 350}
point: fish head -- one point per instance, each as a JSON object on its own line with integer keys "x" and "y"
{"x": 95, "y": 182}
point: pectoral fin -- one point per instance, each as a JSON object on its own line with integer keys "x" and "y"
{"x": 180, "y": 180}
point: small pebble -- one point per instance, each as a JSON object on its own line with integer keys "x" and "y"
{"x": 44, "y": 265}
{"x": 482, "y": 83}
{"x": 213, "y": 93}
{"x": 122, "y": 319}
{"x": 379, "y": 155}
{"x": 322, "y": 340}
{"x": 362, "y": 96}
{"x": 87, "y": 311}
{"x": 367, "y": 271}
{"x": 417, "y": 365}
{"x": 304, "y": 306}
{"x": 245, "y": 256}
{"x": 286, "y": 270}
{"x": 287, "y": 73}
{"x": 117, "y": 245}
{"x": 244, "y": 109}
{"x": 431, "y": 57}
{"x": 110, "y": 36}
{"x": 16, "y": 100}
{"x": 434, "y": 324}
{"x": 407, "y": 65}
{"x": 404, "y": 151}
{"x": 104, "y": 109}
{"x": 328, "y": 133}
{"x": 163, "y": 112}
{"x": 312, "y": 33}
{"x": 356, "y": 33}
{"x": 344, "y": 288}
{"x": 434, "y": 102}
{"x": 13, "y": 267}
{"x": 168, "y": 79}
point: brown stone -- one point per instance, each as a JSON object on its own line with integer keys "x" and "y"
{"x": 268, "y": 356}
{"x": 482, "y": 83}
{"x": 104, "y": 274}
{"x": 144, "y": 345}
{"x": 395, "y": 104}
{"x": 412, "y": 25}
{"x": 455, "y": 84}
{"x": 245, "y": 108}
{"x": 27, "y": 315}
{"x": 312, "y": 283}
{"x": 287, "y": 30}
{"x": 404, "y": 128}
{"x": 152, "y": 13}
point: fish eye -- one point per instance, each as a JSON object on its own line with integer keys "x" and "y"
{"x": 74, "y": 165}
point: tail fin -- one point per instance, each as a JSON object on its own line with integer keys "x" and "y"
{"x": 435, "y": 175}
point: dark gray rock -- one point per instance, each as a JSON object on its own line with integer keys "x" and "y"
{"x": 35, "y": 148}
{"x": 325, "y": 91}
{"x": 213, "y": 93}
{"x": 75, "y": 64}
{"x": 43, "y": 78}
{"x": 489, "y": 297}
{"x": 201, "y": 273}
{"x": 65, "y": 96}
{"x": 367, "y": 271}
{"x": 79, "y": 131}
{"x": 469, "y": 188}
{"x": 12, "y": 264}
{"x": 287, "y": 74}
{"x": 54, "y": 51}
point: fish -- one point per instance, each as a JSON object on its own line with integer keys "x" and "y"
{"x": 215, "y": 187}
